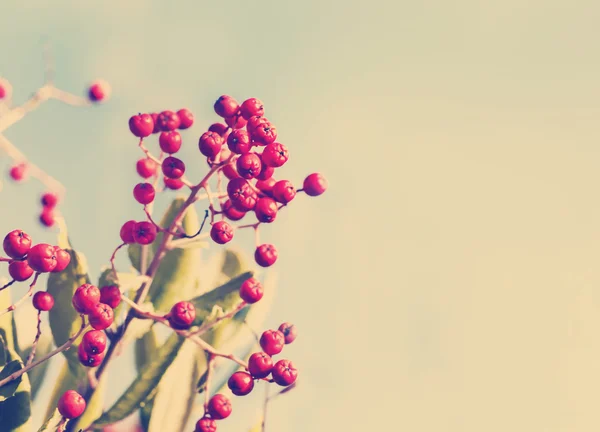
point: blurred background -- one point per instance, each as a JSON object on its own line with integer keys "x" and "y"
{"x": 448, "y": 279}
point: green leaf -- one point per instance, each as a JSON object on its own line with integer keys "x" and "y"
{"x": 145, "y": 349}
{"x": 6, "y": 320}
{"x": 3, "y": 351}
{"x": 15, "y": 412}
{"x": 142, "y": 386}
{"x": 36, "y": 375}
{"x": 51, "y": 425}
{"x": 10, "y": 388}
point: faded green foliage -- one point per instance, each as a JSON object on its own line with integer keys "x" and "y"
{"x": 15, "y": 411}
{"x": 37, "y": 374}
{"x": 51, "y": 424}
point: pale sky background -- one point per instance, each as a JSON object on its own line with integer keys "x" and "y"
{"x": 448, "y": 280}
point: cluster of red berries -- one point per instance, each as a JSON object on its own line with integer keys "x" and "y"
{"x": 143, "y": 232}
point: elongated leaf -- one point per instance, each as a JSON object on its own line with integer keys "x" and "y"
{"x": 36, "y": 375}
{"x": 3, "y": 351}
{"x": 15, "y": 412}
{"x": 51, "y": 424}
{"x": 10, "y": 388}
{"x": 6, "y": 320}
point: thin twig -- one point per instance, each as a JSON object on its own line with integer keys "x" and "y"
{"x": 22, "y": 299}
{"x": 37, "y": 338}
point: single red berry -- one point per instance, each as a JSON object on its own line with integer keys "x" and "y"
{"x": 18, "y": 172}
{"x": 266, "y": 172}
{"x": 240, "y": 383}
{"x": 3, "y": 91}
{"x": 283, "y": 191}
{"x": 230, "y": 171}
{"x": 284, "y": 373}
{"x": 141, "y": 125}
{"x": 182, "y": 315}
{"x": 42, "y": 258}
{"x": 43, "y": 301}
{"x": 173, "y": 167}
{"x": 206, "y": 424}
{"x": 156, "y": 125}
{"x": 186, "y": 118}
{"x": 144, "y": 233}
{"x": 289, "y": 332}
{"x": 101, "y": 316}
{"x": 275, "y": 155}
{"x": 16, "y": 244}
{"x": 144, "y": 193}
{"x": 20, "y": 270}
{"x": 218, "y": 128}
{"x": 264, "y": 134}
{"x": 219, "y": 407}
{"x": 272, "y": 342}
{"x": 127, "y": 232}
{"x": 49, "y": 200}
{"x": 87, "y": 359}
{"x": 226, "y": 106}
{"x": 251, "y": 290}
{"x": 63, "y": 258}
{"x": 170, "y": 141}
{"x": 110, "y": 295}
{"x": 173, "y": 184}
{"x": 241, "y": 194}
{"x": 236, "y": 121}
{"x": 47, "y": 218}
{"x": 252, "y": 107}
{"x": 248, "y": 165}
{"x": 260, "y": 365}
{"x": 254, "y": 122}
{"x": 86, "y": 298}
{"x": 315, "y": 184}
{"x": 221, "y": 232}
{"x": 231, "y": 212}
{"x": 99, "y": 91}
{"x": 146, "y": 167}
{"x": 210, "y": 144}
{"x": 238, "y": 141}
{"x": 71, "y": 404}
{"x": 94, "y": 342}
{"x": 265, "y": 255}
{"x": 265, "y": 210}
{"x": 168, "y": 121}
{"x": 266, "y": 186}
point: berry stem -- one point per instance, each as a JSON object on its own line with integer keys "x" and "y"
{"x": 112, "y": 261}
{"x": 7, "y": 285}
{"x": 37, "y": 338}
{"x": 209, "y": 371}
{"x": 208, "y": 326}
{"x": 22, "y": 299}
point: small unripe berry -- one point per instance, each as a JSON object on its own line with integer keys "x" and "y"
{"x": 275, "y": 155}
{"x": 20, "y": 270}
{"x": 240, "y": 383}
{"x": 265, "y": 255}
{"x": 272, "y": 342}
{"x": 16, "y": 244}
{"x": 236, "y": 121}
{"x": 251, "y": 290}
{"x": 218, "y": 128}
{"x": 170, "y": 141}
{"x": 42, "y": 258}
{"x": 315, "y": 184}
{"x": 186, "y": 118}
{"x": 210, "y": 144}
{"x": 47, "y": 218}
{"x": 86, "y": 298}
{"x": 168, "y": 121}
{"x": 283, "y": 191}
{"x": 173, "y": 168}
{"x": 94, "y": 342}
{"x": 126, "y": 232}
{"x": 252, "y": 107}
{"x": 266, "y": 186}
{"x": 221, "y": 232}
{"x": 173, "y": 184}
{"x": 284, "y": 373}
{"x": 219, "y": 407}
{"x": 63, "y": 258}
{"x": 144, "y": 193}
{"x": 99, "y": 91}
{"x": 248, "y": 165}
{"x": 206, "y": 424}
{"x": 226, "y": 106}
{"x": 231, "y": 212}
{"x": 87, "y": 359}
{"x": 18, "y": 172}
{"x": 182, "y": 315}
{"x": 144, "y": 232}
{"x": 101, "y": 316}
{"x": 71, "y": 404}
{"x": 49, "y": 200}
{"x": 141, "y": 125}
{"x": 43, "y": 301}
{"x": 264, "y": 134}
{"x": 260, "y": 364}
{"x": 110, "y": 295}
{"x": 146, "y": 167}
{"x": 265, "y": 210}
{"x": 238, "y": 141}
{"x": 289, "y": 332}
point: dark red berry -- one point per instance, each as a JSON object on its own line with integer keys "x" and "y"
{"x": 94, "y": 342}
{"x": 186, "y": 118}
{"x": 315, "y": 184}
{"x": 144, "y": 193}
{"x": 87, "y": 359}
{"x": 43, "y": 301}
{"x": 248, "y": 165}
{"x": 254, "y": 122}
{"x": 86, "y": 298}
{"x": 49, "y": 200}
{"x": 265, "y": 255}
{"x": 182, "y": 315}
{"x": 3, "y": 91}
{"x": 156, "y": 125}
{"x": 241, "y": 194}
{"x": 126, "y": 232}
{"x": 16, "y": 244}
{"x": 260, "y": 364}
{"x": 265, "y": 210}
{"x": 226, "y": 106}
{"x": 63, "y": 258}
{"x": 284, "y": 373}
{"x": 283, "y": 191}
{"x": 101, "y": 316}
{"x": 252, "y": 107}
{"x": 221, "y": 232}
{"x": 146, "y": 167}
{"x": 47, "y": 217}
{"x": 20, "y": 270}
{"x": 42, "y": 258}
{"x": 110, "y": 295}
{"x": 266, "y": 172}
{"x": 275, "y": 155}
{"x": 210, "y": 144}
{"x": 18, "y": 172}
{"x": 219, "y": 407}
{"x": 144, "y": 233}
{"x": 168, "y": 121}
{"x": 266, "y": 186}
{"x": 173, "y": 184}
{"x": 264, "y": 134}
{"x": 230, "y": 171}
{"x": 289, "y": 332}
{"x": 170, "y": 141}
{"x": 218, "y": 128}
{"x": 99, "y": 91}
{"x": 240, "y": 383}
{"x": 238, "y": 141}
{"x": 272, "y": 342}
{"x": 141, "y": 125}
{"x": 206, "y": 424}
{"x": 71, "y": 404}
{"x": 251, "y": 290}
{"x": 173, "y": 168}
{"x": 231, "y": 212}
{"x": 236, "y": 121}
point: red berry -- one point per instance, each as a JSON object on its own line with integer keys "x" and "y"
{"x": 49, "y": 200}
{"x": 16, "y": 244}
{"x": 219, "y": 407}
{"x": 141, "y": 125}
{"x": 3, "y": 91}
{"x": 206, "y": 424}
{"x": 218, "y": 128}
{"x": 266, "y": 172}
{"x": 252, "y": 107}
{"x": 266, "y": 186}
{"x": 101, "y": 316}
{"x": 251, "y": 290}
{"x": 99, "y": 91}
{"x": 144, "y": 233}
{"x": 236, "y": 121}
{"x": 265, "y": 210}
{"x": 240, "y": 383}
{"x": 86, "y": 298}
{"x": 168, "y": 121}
{"x": 182, "y": 315}
{"x": 156, "y": 125}
{"x": 283, "y": 191}
{"x": 146, "y": 167}
{"x": 127, "y": 232}
{"x": 42, "y": 258}
{"x": 94, "y": 342}
{"x": 71, "y": 405}
{"x": 254, "y": 122}
{"x": 230, "y": 171}
{"x": 20, "y": 270}
{"x": 210, "y": 144}
{"x": 238, "y": 141}
{"x": 289, "y": 332}
{"x": 170, "y": 141}
{"x": 275, "y": 155}
{"x": 87, "y": 359}
{"x": 226, "y": 106}
{"x": 272, "y": 342}
{"x": 315, "y": 184}
{"x": 173, "y": 167}
{"x": 63, "y": 258}
{"x": 144, "y": 193}
{"x": 284, "y": 373}
{"x": 186, "y": 118}
{"x": 248, "y": 165}
{"x": 265, "y": 255}
{"x": 241, "y": 194}
{"x": 173, "y": 184}
{"x": 18, "y": 172}
{"x": 231, "y": 212}
{"x": 47, "y": 217}
{"x": 221, "y": 232}
{"x": 110, "y": 295}
{"x": 43, "y": 301}
{"x": 264, "y": 134}
{"x": 260, "y": 364}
